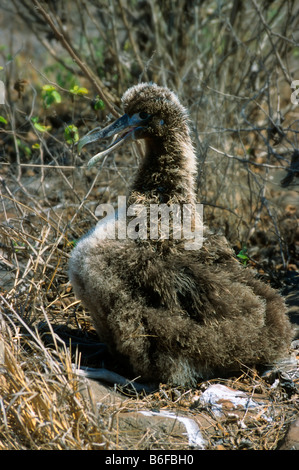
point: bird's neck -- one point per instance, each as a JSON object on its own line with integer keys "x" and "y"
{"x": 167, "y": 173}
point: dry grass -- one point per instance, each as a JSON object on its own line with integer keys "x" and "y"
{"x": 41, "y": 406}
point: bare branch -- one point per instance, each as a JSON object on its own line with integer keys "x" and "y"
{"x": 104, "y": 94}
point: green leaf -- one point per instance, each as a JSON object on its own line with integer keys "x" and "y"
{"x": 48, "y": 100}
{"x": 56, "y": 96}
{"x": 242, "y": 255}
{"x": 76, "y": 90}
{"x": 39, "y": 126}
{"x": 2, "y": 119}
{"x": 71, "y": 134}
{"x": 48, "y": 88}
{"x": 99, "y": 104}
{"x": 50, "y": 95}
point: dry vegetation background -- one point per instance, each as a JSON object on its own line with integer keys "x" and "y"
{"x": 65, "y": 65}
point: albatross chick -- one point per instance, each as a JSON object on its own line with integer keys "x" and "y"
{"x": 175, "y": 313}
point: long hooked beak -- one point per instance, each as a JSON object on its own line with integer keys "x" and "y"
{"x": 125, "y": 124}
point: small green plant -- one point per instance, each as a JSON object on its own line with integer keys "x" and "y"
{"x": 243, "y": 257}
{"x": 24, "y": 148}
{"x": 18, "y": 246}
{"x": 35, "y": 146}
{"x": 71, "y": 134}
{"x": 77, "y": 90}
{"x": 50, "y": 95}
{"x": 98, "y": 104}
{"x": 59, "y": 74}
{"x": 38, "y": 126}
{"x": 3, "y": 120}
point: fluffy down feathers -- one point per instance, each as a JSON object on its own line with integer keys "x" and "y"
{"x": 175, "y": 315}
{"x": 179, "y": 316}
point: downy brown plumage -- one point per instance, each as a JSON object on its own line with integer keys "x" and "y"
{"x": 176, "y": 315}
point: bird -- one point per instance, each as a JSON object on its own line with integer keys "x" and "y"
{"x": 170, "y": 311}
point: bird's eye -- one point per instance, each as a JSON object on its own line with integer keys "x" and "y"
{"x": 143, "y": 115}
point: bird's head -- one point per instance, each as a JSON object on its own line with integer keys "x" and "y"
{"x": 151, "y": 112}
